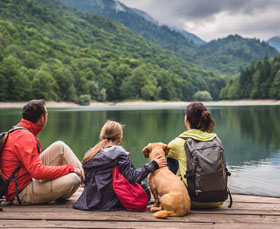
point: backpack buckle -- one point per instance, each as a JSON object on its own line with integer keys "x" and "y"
{"x": 228, "y": 173}
{"x": 189, "y": 173}
{"x": 197, "y": 192}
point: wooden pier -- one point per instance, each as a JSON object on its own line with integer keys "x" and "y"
{"x": 247, "y": 212}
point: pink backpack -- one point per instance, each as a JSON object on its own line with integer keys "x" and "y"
{"x": 132, "y": 196}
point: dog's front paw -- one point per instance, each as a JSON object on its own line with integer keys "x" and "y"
{"x": 155, "y": 209}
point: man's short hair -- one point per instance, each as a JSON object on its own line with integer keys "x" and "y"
{"x": 34, "y": 110}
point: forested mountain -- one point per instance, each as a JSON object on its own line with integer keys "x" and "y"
{"x": 139, "y": 23}
{"x": 195, "y": 39}
{"x": 143, "y": 14}
{"x": 233, "y": 53}
{"x": 258, "y": 81}
{"x": 189, "y": 36}
{"x": 56, "y": 52}
{"x": 275, "y": 42}
{"x": 228, "y": 55}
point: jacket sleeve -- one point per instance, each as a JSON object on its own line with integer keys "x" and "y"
{"x": 30, "y": 158}
{"x": 173, "y": 152}
{"x": 131, "y": 173}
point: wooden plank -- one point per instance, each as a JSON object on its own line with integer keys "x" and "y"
{"x": 254, "y": 205}
{"x": 63, "y": 224}
{"x": 139, "y": 217}
{"x": 241, "y": 209}
{"x": 90, "y": 224}
{"x": 258, "y": 199}
{"x": 251, "y": 222}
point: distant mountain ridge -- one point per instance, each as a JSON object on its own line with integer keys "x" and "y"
{"x": 275, "y": 42}
{"x": 146, "y": 16}
{"x": 127, "y": 16}
{"x": 192, "y": 37}
{"x": 227, "y": 55}
{"x": 162, "y": 35}
{"x": 232, "y": 53}
{"x": 189, "y": 36}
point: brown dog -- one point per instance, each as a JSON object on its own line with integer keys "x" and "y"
{"x": 175, "y": 200}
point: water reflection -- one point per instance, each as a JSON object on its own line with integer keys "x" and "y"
{"x": 250, "y": 136}
{"x": 251, "y": 139}
{"x": 257, "y": 178}
{"x": 248, "y": 133}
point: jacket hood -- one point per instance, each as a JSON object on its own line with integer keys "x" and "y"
{"x": 198, "y": 135}
{"x": 106, "y": 156}
{"x": 33, "y": 128}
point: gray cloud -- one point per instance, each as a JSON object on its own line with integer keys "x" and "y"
{"x": 215, "y": 18}
{"x": 204, "y": 8}
{"x": 207, "y": 8}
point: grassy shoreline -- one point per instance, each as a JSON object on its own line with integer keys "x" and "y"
{"x": 152, "y": 104}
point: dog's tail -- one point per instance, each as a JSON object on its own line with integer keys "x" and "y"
{"x": 163, "y": 214}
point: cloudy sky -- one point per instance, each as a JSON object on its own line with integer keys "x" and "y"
{"x": 212, "y": 19}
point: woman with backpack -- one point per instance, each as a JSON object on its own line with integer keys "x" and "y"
{"x": 192, "y": 165}
{"x": 99, "y": 163}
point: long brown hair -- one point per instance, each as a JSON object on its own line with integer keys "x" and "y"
{"x": 111, "y": 131}
{"x": 199, "y": 117}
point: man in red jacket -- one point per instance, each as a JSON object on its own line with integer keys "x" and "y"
{"x": 55, "y": 174}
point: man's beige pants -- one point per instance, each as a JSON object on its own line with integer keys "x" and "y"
{"x": 44, "y": 191}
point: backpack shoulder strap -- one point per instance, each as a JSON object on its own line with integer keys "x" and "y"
{"x": 14, "y": 174}
{"x": 218, "y": 140}
{"x": 5, "y": 135}
{"x": 17, "y": 128}
{"x": 189, "y": 167}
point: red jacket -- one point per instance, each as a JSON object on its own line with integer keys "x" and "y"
{"x": 21, "y": 148}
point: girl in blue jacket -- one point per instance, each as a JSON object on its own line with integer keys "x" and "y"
{"x": 98, "y": 165}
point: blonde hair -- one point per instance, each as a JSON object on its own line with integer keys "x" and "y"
{"x": 111, "y": 131}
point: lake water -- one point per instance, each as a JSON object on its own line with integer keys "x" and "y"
{"x": 250, "y": 135}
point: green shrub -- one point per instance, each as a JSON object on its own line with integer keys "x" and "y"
{"x": 202, "y": 96}
{"x": 84, "y": 100}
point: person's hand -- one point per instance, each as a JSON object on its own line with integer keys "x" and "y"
{"x": 78, "y": 172}
{"x": 160, "y": 161}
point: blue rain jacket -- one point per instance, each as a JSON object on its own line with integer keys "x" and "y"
{"x": 98, "y": 193}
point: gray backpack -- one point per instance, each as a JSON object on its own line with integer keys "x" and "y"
{"x": 206, "y": 174}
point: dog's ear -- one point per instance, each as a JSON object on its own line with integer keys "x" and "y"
{"x": 166, "y": 149}
{"x": 146, "y": 151}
